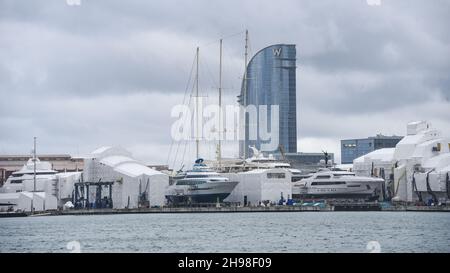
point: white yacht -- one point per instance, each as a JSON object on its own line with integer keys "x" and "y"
{"x": 199, "y": 185}
{"x": 337, "y": 184}
{"x": 257, "y": 161}
{"x": 23, "y": 180}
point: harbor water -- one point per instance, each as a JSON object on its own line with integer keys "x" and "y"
{"x": 230, "y": 232}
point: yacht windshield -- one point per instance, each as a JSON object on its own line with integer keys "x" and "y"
{"x": 190, "y": 182}
{"x": 201, "y": 175}
{"x": 344, "y": 174}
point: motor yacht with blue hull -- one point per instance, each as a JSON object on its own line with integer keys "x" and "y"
{"x": 339, "y": 185}
{"x": 199, "y": 185}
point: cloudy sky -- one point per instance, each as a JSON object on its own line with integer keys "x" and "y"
{"x": 108, "y": 72}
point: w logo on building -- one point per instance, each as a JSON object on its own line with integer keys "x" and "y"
{"x": 276, "y": 52}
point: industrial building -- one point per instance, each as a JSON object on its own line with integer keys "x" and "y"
{"x": 111, "y": 179}
{"x": 270, "y": 79}
{"x": 416, "y": 170}
{"x": 354, "y": 148}
{"x": 260, "y": 186}
{"x": 132, "y": 183}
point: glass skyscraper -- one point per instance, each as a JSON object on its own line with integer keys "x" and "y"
{"x": 271, "y": 80}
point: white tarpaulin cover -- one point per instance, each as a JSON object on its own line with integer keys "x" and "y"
{"x": 131, "y": 178}
{"x": 422, "y": 153}
{"x": 260, "y": 185}
{"x": 25, "y": 200}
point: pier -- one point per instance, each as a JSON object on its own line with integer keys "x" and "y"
{"x": 195, "y": 210}
{"x": 236, "y": 209}
{"x": 326, "y": 208}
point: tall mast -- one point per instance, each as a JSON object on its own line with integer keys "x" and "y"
{"x": 220, "y": 104}
{"x": 245, "y": 87}
{"x": 197, "y": 141}
{"x": 34, "y": 160}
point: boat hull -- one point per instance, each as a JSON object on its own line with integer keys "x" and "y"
{"x": 350, "y": 190}
{"x": 210, "y": 192}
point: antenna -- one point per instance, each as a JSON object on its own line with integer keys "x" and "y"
{"x": 197, "y": 141}
{"x": 219, "y": 155}
{"x": 34, "y": 160}
{"x": 245, "y": 86}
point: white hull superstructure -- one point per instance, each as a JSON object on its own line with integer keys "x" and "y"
{"x": 23, "y": 180}
{"x": 32, "y": 188}
{"x": 256, "y": 162}
{"x": 338, "y": 184}
{"x": 199, "y": 185}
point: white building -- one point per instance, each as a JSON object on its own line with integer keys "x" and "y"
{"x": 27, "y": 201}
{"x": 64, "y": 188}
{"x": 131, "y": 178}
{"x": 260, "y": 185}
{"x": 417, "y": 169}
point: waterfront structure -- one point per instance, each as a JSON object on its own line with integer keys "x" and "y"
{"x": 134, "y": 184}
{"x": 58, "y": 162}
{"x": 27, "y": 201}
{"x": 416, "y": 170}
{"x": 131, "y": 184}
{"x": 260, "y": 186}
{"x": 270, "y": 79}
{"x": 354, "y": 148}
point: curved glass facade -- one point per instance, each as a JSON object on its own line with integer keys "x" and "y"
{"x": 271, "y": 80}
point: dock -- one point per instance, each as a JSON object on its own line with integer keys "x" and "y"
{"x": 417, "y": 208}
{"x": 325, "y": 208}
{"x": 195, "y": 210}
{"x": 12, "y": 214}
{"x": 339, "y": 207}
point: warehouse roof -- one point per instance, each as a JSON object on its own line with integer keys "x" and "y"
{"x": 117, "y": 158}
{"x": 385, "y": 154}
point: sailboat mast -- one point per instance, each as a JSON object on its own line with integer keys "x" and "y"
{"x": 245, "y": 86}
{"x": 197, "y": 141}
{"x": 220, "y": 105}
{"x": 34, "y": 160}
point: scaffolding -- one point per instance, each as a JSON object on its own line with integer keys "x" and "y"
{"x": 81, "y": 195}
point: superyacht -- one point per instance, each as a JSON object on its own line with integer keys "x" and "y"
{"x": 257, "y": 161}
{"x": 337, "y": 184}
{"x": 199, "y": 185}
{"x": 23, "y": 179}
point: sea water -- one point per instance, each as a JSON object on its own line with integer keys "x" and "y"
{"x": 230, "y": 232}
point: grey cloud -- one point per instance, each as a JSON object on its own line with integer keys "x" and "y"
{"x": 108, "y": 72}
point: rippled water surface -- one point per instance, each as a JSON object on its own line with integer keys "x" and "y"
{"x": 230, "y": 232}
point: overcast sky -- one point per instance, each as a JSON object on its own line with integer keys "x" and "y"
{"x": 108, "y": 72}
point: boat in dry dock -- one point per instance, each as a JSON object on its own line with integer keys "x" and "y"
{"x": 199, "y": 185}
{"x": 338, "y": 184}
